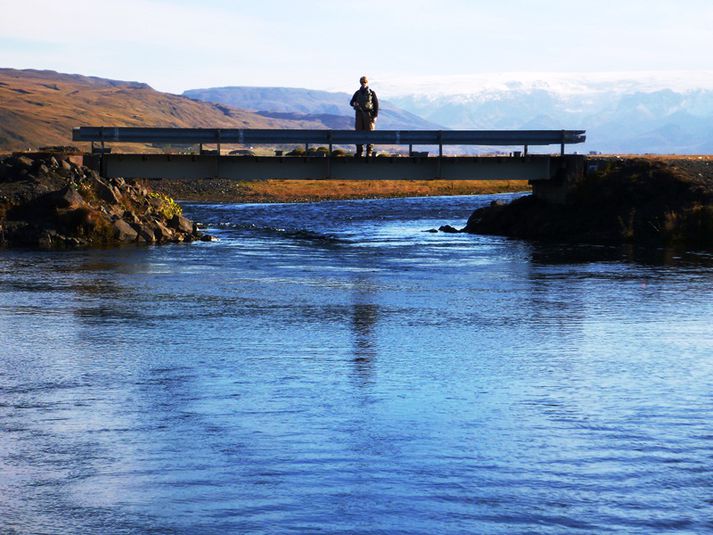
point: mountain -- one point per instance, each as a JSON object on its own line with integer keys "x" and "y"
{"x": 330, "y": 108}
{"x": 618, "y": 117}
{"x": 39, "y": 108}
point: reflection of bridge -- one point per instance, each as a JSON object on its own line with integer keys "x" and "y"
{"x": 323, "y": 164}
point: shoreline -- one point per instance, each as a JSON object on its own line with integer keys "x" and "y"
{"x": 657, "y": 201}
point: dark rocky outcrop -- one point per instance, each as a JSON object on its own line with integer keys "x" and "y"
{"x": 645, "y": 201}
{"x": 50, "y": 202}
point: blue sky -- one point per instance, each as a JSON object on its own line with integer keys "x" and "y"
{"x": 328, "y": 44}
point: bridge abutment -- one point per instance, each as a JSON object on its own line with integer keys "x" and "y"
{"x": 567, "y": 173}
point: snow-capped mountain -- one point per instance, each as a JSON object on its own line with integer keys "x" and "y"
{"x": 643, "y": 113}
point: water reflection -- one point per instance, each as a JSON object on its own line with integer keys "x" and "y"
{"x": 566, "y": 253}
{"x": 364, "y": 317}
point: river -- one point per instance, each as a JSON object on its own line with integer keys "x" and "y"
{"x": 333, "y": 368}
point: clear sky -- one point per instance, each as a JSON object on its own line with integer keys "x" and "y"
{"x": 328, "y": 44}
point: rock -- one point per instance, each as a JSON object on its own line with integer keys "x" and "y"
{"x": 431, "y": 230}
{"x": 45, "y": 240}
{"x": 68, "y": 197}
{"x": 448, "y": 229}
{"x": 24, "y": 161}
{"x": 156, "y": 202}
{"x": 208, "y": 237}
{"x": 146, "y": 234}
{"x": 181, "y": 224}
{"x": 56, "y": 203}
{"x": 162, "y": 232}
{"x": 105, "y": 193}
{"x": 123, "y": 231}
{"x": 131, "y": 217}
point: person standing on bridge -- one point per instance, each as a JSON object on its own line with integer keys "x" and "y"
{"x": 366, "y": 106}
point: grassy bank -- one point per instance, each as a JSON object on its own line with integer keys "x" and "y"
{"x": 224, "y": 190}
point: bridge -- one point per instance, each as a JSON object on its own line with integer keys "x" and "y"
{"x": 324, "y": 164}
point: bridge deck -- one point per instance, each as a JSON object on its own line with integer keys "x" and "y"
{"x": 539, "y": 167}
{"x": 329, "y": 167}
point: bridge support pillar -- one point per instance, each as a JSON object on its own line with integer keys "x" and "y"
{"x": 569, "y": 172}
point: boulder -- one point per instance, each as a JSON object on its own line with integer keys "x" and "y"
{"x": 45, "y": 240}
{"x": 162, "y": 232}
{"x": 24, "y": 161}
{"x": 106, "y": 193}
{"x": 146, "y": 234}
{"x": 448, "y": 229}
{"x": 68, "y": 197}
{"x": 123, "y": 231}
{"x": 181, "y": 224}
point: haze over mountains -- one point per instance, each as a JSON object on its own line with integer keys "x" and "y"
{"x": 331, "y": 108}
{"x": 658, "y": 112}
{"x": 660, "y": 121}
{"x": 641, "y": 113}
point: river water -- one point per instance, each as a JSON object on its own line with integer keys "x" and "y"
{"x": 333, "y": 368}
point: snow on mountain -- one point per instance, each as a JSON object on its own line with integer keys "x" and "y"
{"x": 641, "y": 112}
{"x": 473, "y": 86}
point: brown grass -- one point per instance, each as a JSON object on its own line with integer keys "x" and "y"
{"x": 317, "y": 190}
{"x": 224, "y": 190}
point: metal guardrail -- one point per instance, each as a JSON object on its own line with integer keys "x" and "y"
{"x": 241, "y": 136}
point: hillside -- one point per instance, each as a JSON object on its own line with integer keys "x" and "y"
{"x": 330, "y": 108}
{"x": 39, "y": 108}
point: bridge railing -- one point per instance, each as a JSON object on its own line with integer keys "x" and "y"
{"x": 243, "y": 136}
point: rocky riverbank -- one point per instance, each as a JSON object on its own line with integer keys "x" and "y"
{"x": 625, "y": 200}
{"x": 51, "y": 202}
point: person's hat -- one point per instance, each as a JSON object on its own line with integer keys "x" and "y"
{"x": 363, "y": 80}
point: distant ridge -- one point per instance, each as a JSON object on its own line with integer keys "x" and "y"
{"x": 308, "y": 104}
{"x": 42, "y": 75}
{"x": 39, "y": 108}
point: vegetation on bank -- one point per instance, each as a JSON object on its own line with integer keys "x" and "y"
{"x": 665, "y": 201}
{"x": 226, "y": 190}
